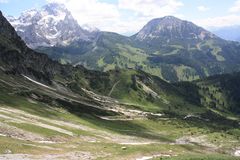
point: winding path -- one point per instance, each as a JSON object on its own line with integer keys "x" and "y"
{"x": 113, "y": 87}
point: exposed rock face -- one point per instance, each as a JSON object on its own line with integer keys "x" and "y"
{"x": 52, "y": 25}
{"x": 170, "y": 28}
{"x": 17, "y": 58}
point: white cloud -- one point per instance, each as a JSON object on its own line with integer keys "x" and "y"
{"x": 223, "y": 21}
{"x": 236, "y": 7}
{"x": 203, "y": 8}
{"x": 112, "y": 16}
{"x": 91, "y": 12}
{"x": 151, "y": 8}
{"x": 144, "y": 11}
{"x": 129, "y": 26}
{"x": 3, "y": 1}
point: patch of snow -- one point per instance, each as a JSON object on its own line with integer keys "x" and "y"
{"x": 51, "y": 25}
{"x": 20, "y": 30}
{"x": 190, "y": 116}
{"x": 145, "y": 158}
{"x": 90, "y": 28}
{"x": 153, "y": 156}
{"x": 38, "y": 34}
{"x": 237, "y": 153}
{"x": 43, "y": 85}
{"x": 194, "y": 116}
{"x": 30, "y": 12}
{"x": 18, "y": 24}
{"x": 49, "y": 18}
{"x": 10, "y": 18}
{"x": 3, "y": 135}
{"x": 47, "y": 142}
{"x": 156, "y": 114}
{"x": 135, "y": 111}
{"x": 137, "y": 143}
{"x": 53, "y": 36}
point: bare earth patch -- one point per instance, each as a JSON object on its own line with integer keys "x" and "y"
{"x": 65, "y": 156}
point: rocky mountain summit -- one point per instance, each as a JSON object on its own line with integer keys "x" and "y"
{"x": 170, "y": 30}
{"x": 168, "y": 47}
{"x": 53, "y": 111}
{"x": 52, "y": 25}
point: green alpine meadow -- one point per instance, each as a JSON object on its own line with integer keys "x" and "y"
{"x": 74, "y": 92}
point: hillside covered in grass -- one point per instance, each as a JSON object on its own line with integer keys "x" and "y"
{"x": 170, "y": 48}
{"x": 54, "y": 111}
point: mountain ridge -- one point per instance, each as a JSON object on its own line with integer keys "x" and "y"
{"x": 158, "y": 26}
{"x": 47, "y": 107}
{"x": 191, "y": 53}
{"x": 18, "y": 60}
{"x": 168, "y": 47}
{"x": 52, "y": 25}
{"x": 230, "y": 33}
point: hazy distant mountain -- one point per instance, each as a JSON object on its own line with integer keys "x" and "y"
{"x": 52, "y": 25}
{"x": 229, "y": 33}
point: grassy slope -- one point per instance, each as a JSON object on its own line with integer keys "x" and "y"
{"x": 135, "y": 87}
{"x": 172, "y": 62}
{"x": 158, "y": 130}
{"x": 200, "y": 157}
{"x": 219, "y": 93}
{"x": 138, "y": 89}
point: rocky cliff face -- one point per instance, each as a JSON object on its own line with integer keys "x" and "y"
{"x": 170, "y": 29}
{"x": 52, "y": 25}
{"x": 17, "y": 58}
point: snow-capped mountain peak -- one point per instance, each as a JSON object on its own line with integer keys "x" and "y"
{"x": 10, "y": 18}
{"x": 56, "y": 10}
{"x": 54, "y": 7}
{"x": 51, "y": 25}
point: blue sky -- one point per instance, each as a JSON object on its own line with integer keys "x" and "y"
{"x": 128, "y": 16}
